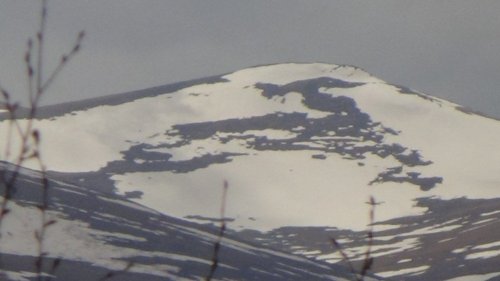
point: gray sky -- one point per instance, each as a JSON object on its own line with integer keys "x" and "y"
{"x": 447, "y": 48}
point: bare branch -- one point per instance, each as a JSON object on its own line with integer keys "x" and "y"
{"x": 29, "y": 69}
{"x": 222, "y": 229}
{"x": 64, "y": 61}
{"x": 41, "y": 39}
{"x": 368, "y": 259}
{"x": 345, "y": 257}
{"x": 112, "y": 274}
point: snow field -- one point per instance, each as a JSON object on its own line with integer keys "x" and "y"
{"x": 272, "y": 189}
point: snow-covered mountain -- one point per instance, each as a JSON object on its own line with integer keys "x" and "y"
{"x": 303, "y": 147}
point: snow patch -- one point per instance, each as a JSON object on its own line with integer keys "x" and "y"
{"x": 478, "y": 277}
{"x": 407, "y": 271}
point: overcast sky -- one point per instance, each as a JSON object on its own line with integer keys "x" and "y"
{"x": 447, "y": 48}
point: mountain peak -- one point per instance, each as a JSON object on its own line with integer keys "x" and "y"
{"x": 285, "y": 73}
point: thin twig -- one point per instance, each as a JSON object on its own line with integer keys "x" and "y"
{"x": 112, "y": 274}
{"x": 29, "y": 70}
{"x": 222, "y": 229}
{"x": 55, "y": 265}
{"x": 345, "y": 257}
{"x": 64, "y": 60}
{"x": 39, "y": 66}
{"x": 368, "y": 259}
